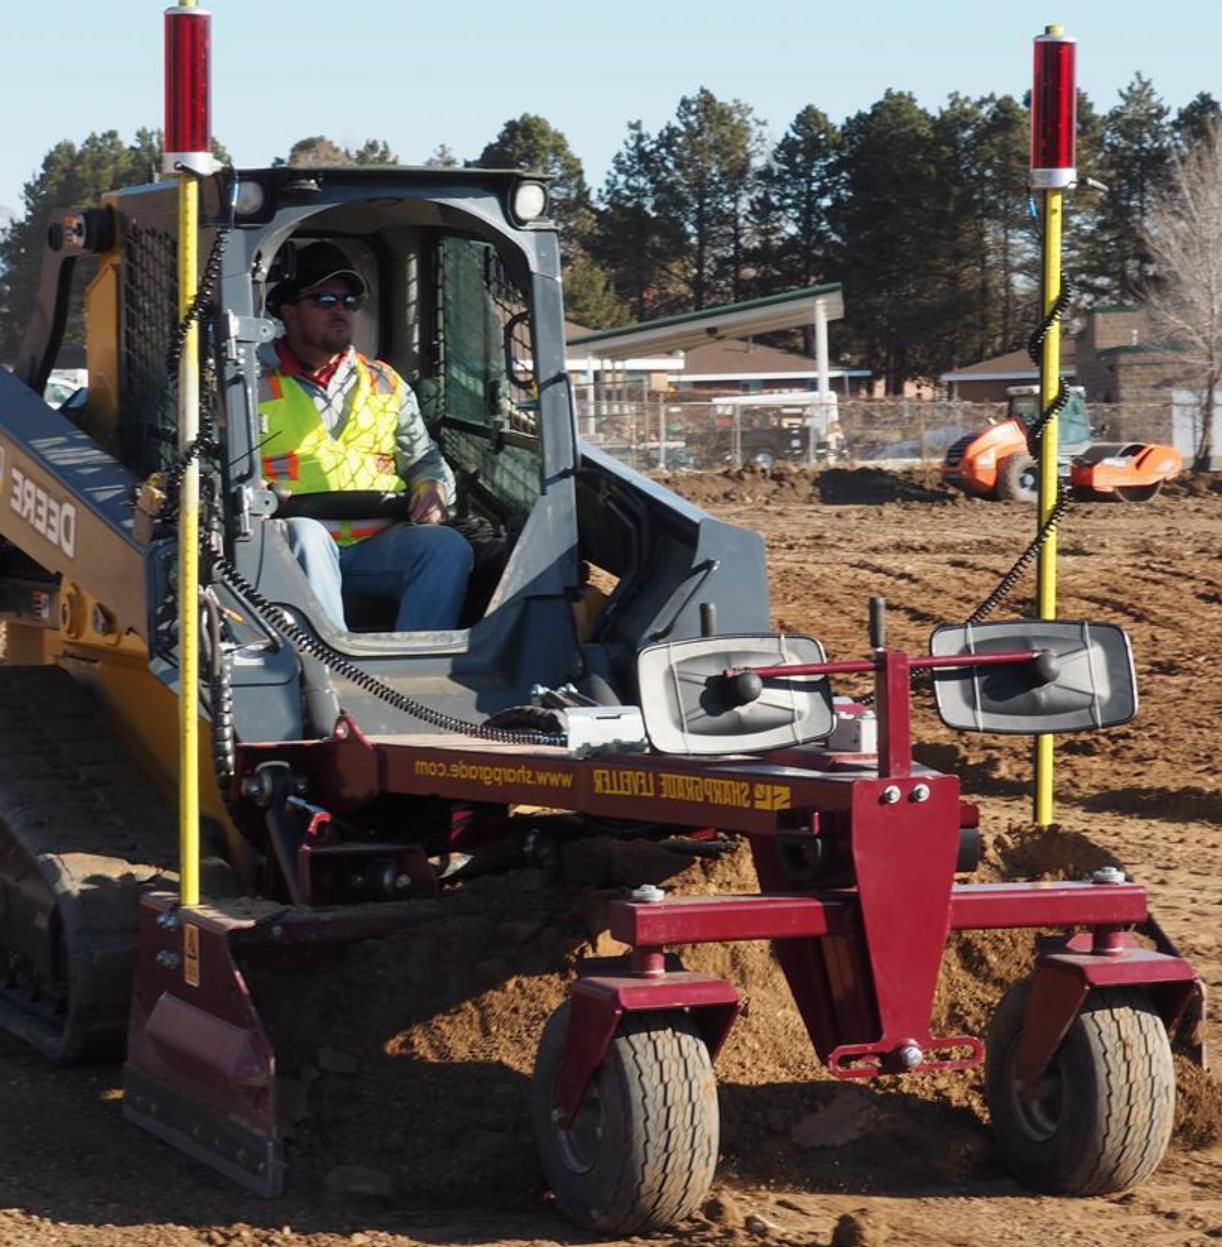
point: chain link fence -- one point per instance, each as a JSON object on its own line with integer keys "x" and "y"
{"x": 682, "y": 430}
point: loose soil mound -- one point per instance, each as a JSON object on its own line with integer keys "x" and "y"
{"x": 834, "y": 486}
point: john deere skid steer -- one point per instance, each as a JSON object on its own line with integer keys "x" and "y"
{"x": 613, "y": 664}
{"x": 463, "y": 269}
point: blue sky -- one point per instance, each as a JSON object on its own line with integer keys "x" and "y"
{"x": 421, "y": 75}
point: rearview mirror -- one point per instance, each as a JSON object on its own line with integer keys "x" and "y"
{"x": 691, "y": 707}
{"x": 1082, "y": 681}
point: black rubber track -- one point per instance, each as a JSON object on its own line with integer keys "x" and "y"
{"x": 83, "y": 832}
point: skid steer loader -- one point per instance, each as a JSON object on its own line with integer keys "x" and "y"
{"x": 463, "y": 269}
{"x": 350, "y": 767}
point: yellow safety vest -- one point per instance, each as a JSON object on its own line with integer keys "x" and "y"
{"x": 300, "y": 455}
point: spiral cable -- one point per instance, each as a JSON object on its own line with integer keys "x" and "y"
{"x": 197, "y": 313}
{"x": 1054, "y": 315}
{"x": 278, "y": 618}
{"x": 1035, "y": 434}
{"x": 1014, "y": 575}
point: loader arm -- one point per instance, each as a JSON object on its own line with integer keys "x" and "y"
{"x": 67, "y": 504}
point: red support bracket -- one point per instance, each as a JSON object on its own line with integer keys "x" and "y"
{"x": 597, "y": 1003}
{"x": 892, "y": 678}
{"x": 1063, "y": 979}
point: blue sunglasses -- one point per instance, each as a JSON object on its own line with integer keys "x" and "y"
{"x": 328, "y": 298}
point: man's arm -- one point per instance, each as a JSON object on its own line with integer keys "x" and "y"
{"x": 419, "y": 462}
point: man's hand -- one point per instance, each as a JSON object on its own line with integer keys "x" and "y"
{"x": 429, "y": 503}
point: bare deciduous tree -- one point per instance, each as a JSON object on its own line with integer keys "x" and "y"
{"x": 1184, "y": 294}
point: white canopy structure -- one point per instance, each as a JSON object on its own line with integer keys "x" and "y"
{"x": 814, "y": 305}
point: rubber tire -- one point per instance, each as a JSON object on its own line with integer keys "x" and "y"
{"x": 765, "y": 460}
{"x": 657, "y": 1104}
{"x": 1116, "y": 1083}
{"x": 1019, "y": 479}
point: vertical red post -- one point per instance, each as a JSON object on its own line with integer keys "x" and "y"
{"x": 893, "y": 699}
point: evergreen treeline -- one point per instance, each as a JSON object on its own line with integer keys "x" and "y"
{"x": 924, "y": 216}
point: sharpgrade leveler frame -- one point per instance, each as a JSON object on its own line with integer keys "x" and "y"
{"x": 856, "y": 855}
{"x": 856, "y": 859}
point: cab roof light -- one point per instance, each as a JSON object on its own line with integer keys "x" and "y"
{"x": 529, "y": 202}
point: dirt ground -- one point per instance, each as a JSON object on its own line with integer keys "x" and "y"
{"x": 409, "y": 1060}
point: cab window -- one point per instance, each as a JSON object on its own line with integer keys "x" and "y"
{"x": 483, "y": 400}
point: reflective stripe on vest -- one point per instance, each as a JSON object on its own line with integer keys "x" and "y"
{"x": 300, "y": 455}
{"x": 349, "y": 532}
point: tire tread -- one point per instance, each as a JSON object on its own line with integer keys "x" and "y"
{"x": 658, "y": 1069}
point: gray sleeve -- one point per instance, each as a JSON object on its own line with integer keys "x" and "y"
{"x": 417, "y": 457}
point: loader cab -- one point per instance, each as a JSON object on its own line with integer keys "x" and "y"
{"x": 462, "y": 268}
{"x": 1073, "y": 422}
{"x": 454, "y": 308}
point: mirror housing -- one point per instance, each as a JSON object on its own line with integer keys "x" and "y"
{"x": 692, "y": 707}
{"x": 1083, "y": 679}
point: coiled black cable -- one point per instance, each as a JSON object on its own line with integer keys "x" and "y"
{"x": 203, "y": 302}
{"x": 1035, "y": 342}
{"x": 278, "y": 618}
{"x": 1014, "y": 575}
{"x": 199, "y": 312}
{"x": 1035, "y": 434}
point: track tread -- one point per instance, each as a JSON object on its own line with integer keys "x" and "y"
{"x": 76, "y": 811}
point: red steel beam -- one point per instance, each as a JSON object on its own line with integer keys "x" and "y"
{"x": 991, "y": 906}
{"x": 707, "y": 920}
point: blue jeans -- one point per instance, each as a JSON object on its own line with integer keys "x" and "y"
{"x": 422, "y": 567}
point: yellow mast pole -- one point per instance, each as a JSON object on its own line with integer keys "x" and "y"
{"x": 188, "y": 545}
{"x": 1053, "y": 124}
{"x": 1050, "y": 380}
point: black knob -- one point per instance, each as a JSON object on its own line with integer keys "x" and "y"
{"x": 878, "y": 623}
{"x": 1045, "y": 667}
{"x": 742, "y": 688}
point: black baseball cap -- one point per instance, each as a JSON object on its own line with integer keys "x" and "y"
{"x": 317, "y": 263}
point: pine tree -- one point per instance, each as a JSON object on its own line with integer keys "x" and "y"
{"x": 793, "y": 238}
{"x": 1196, "y": 122}
{"x": 1002, "y": 157}
{"x": 883, "y": 214}
{"x": 706, "y": 161}
{"x": 633, "y": 243}
{"x": 590, "y": 298}
{"x": 1083, "y": 207}
{"x": 1134, "y": 163}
